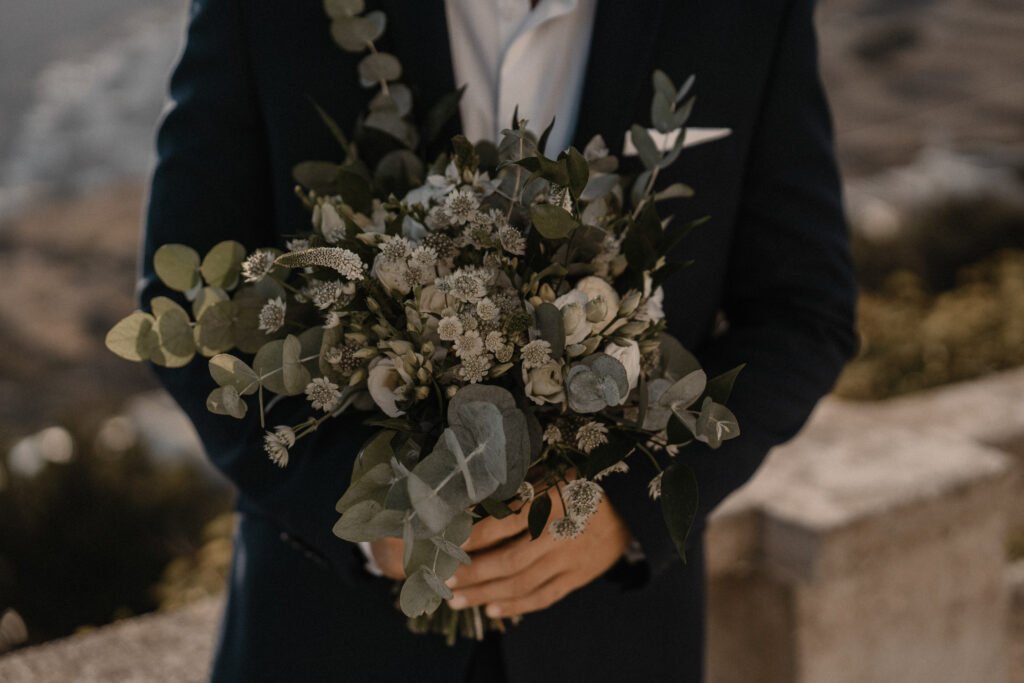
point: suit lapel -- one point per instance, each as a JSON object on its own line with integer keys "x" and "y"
{"x": 618, "y": 69}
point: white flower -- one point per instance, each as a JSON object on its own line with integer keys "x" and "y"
{"x": 468, "y": 345}
{"x": 467, "y": 285}
{"x": 461, "y": 206}
{"x": 544, "y": 384}
{"x": 594, "y": 287}
{"x": 552, "y": 435}
{"x": 395, "y": 248}
{"x": 591, "y": 435}
{"x": 487, "y": 309}
{"x": 494, "y": 342}
{"x": 629, "y": 356}
{"x": 394, "y": 275}
{"x": 332, "y": 320}
{"x": 512, "y": 240}
{"x": 504, "y": 354}
{"x": 620, "y": 467}
{"x": 449, "y": 327}
{"x": 388, "y": 383}
{"x": 566, "y": 528}
{"x": 423, "y": 256}
{"x": 536, "y": 353}
{"x": 297, "y": 245}
{"x": 596, "y": 149}
{"x": 474, "y": 369}
{"x": 277, "y": 443}
{"x": 272, "y": 315}
{"x": 654, "y": 486}
{"x": 324, "y": 294}
{"x": 323, "y": 394}
{"x": 257, "y": 265}
{"x": 332, "y": 226}
{"x": 525, "y": 492}
{"x": 581, "y": 498}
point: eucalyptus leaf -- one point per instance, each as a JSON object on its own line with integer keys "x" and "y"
{"x": 579, "y": 172}
{"x": 663, "y": 85}
{"x": 379, "y": 67}
{"x": 176, "y": 344}
{"x": 595, "y": 383}
{"x": 645, "y": 147}
{"x": 661, "y": 113}
{"x": 355, "y": 34}
{"x": 226, "y": 401}
{"x": 515, "y": 425}
{"x": 207, "y": 297}
{"x": 368, "y": 521}
{"x": 319, "y": 176}
{"x": 222, "y": 265}
{"x": 227, "y": 370}
{"x": 214, "y": 331}
{"x": 277, "y": 364}
{"x": 133, "y": 337}
{"x": 720, "y": 388}
{"x": 674, "y": 191}
{"x": 418, "y": 596}
{"x": 343, "y": 8}
{"x": 683, "y": 393}
{"x": 177, "y": 266}
{"x": 716, "y": 424}
{"x": 373, "y": 485}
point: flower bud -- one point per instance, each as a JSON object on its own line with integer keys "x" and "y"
{"x": 400, "y": 346}
{"x": 372, "y": 305}
{"x": 357, "y": 377}
{"x": 499, "y": 370}
{"x": 451, "y": 391}
{"x": 535, "y": 301}
{"x": 366, "y": 353}
{"x": 629, "y": 303}
{"x": 422, "y": 375}
{"x": 597, "y": 309}
{"x": 422, "y": 393}
{"x": 575, "y": 350}
{"x": 633, "y": 329}
{"x": 546, "y": 293}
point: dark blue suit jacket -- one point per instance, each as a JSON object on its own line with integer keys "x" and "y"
{"x": 773, "y": 260}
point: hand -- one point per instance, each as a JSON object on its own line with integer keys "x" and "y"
{"x": 514, "y": 575}
{"x": 388, "y": 554}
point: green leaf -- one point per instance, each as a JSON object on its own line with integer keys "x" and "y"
{"x": 675, "y": 359}
{"x": 720, "y": 388}
{"x": 337, "y": 9}
{"x": 133, "y": 337}
{"x": 319, "y": 176}
{"x": 161, "y": 304}
{"x": 418, "y": 596}
{"x": 372, "y": 485}
{"x": 293, "y": 372}
{"x": 682, "y": 115}
{"x": 645, "y": 147}
{"x": 451, "y": 550}
{"x": 441, "y": 113}
{"x": 226, "y": 401}
{"x": 537, "y": 519}
{"x": 374, "y": 452}
{"x": 398, "y": 172}
{"x": 336, "y": 132}
{"x": 214, "y": 329}
{"x": 223, "y": 264}
{"x": 674, "y": 191}
{"x": 227, "y": 370}
{"x": 685, "y": 392}
{"x": 436, "y": 584}
{"x": 716, "y": 424}
{"x": 379, "y": 67}
{"x": 552, "y": 222}
{"x": 177, "y": 266}
{"x": 579, "y": 172}
{"x": 176, "y": 344}
{"x": 685, "y": 89}
{"x": 247, "y": 303}
{"x": 661, "y": 113}
{"x": 663, "y": 85}
{"x": 542, "y": 143}
{"x": 207, "y": 297}
{"x": 679, "y": 501}
{"x": 367, "y": 521}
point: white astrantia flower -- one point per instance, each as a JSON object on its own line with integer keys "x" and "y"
{"x": 487, "y": 309}
{"x": 277, "y": 447}
{"x": 468, "y": 345}
{"x": 449, "y": 327}
{"x": 581, "y": 498}
{"x": 297, "y": 244}
{"x": 654, "y": 486}
{"x": 257, "y": 265}
{"x": 332, "y": 320}
{"x": 552, "y": 435}
{"x": 325, "y": 294}
{"x": 629, "y": 355}
{"x": 526, "y": 492}
{"x": 323, "y": 394}
{"x": 395, "y": 248}
{"x": 467, "y": 285}
{"x": 494, "y": 342}
{"x": 332, "y": 226}
{"x": 461, "y": 206}
{"x": 512, "y": 240}
{"x": 474, "y": 369}
{"x": 620, "y": 467}
{"x": 591, "y": 435}
{"x": 272, "y": 315}
{"x": 566, "y": 528}
{"x": 423, "y": 256}
{"x": 536, "y": 353}
{"x": 394, "y": 275}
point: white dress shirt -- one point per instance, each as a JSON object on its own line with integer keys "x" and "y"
{"x": 507, "y": 54}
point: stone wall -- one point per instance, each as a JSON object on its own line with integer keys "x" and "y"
{"x": 870, "y": 548}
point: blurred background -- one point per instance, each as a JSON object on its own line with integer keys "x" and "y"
{"x": 107, "y": 509}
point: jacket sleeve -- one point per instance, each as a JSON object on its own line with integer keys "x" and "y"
{"x": 790, "y": 295}
{"x": 213, "y": 182}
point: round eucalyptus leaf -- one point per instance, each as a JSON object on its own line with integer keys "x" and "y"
{"x": 337, "y": 9}
{"x": 393, "y": 125}
{"x": 214, "y": 329}
{"x": 268, "y": 366}
{"x": 177, "y": 266}
{"x": 398, "y": 172}
{"x": 355, "y": 34}
{"x": 379, "y": 67}
{"x": 398, "y": 99}
{"x": 207, "y": 297}
{"x": 177, "y": 347}
{"x": 248, "y": 302}
{"x": 311, "y": 343}
{"x": 418, "y": 597}
{"x": 228, "y": 370}
{"x": 223, "y": 264}
{"x": 161, "y": 304}
{"x": 294, "y": 375}
{"x": 226, "y": 401}
{"x": 133, "y": 337}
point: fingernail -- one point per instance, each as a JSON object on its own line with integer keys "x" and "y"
{"x": 457, "y": 602}
{"x": 493, "y": 611}
{"x": 451, "y": 582}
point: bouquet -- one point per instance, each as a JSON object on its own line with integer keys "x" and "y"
{"x": 497, "y": 313}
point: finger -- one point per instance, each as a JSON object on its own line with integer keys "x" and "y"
{"x": 507, "y": 588}
{"x": 502, "y": 561}
{"x": 541, "y": 598}
{"x": 493, "y": 531}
